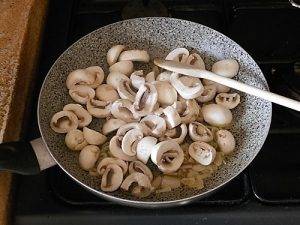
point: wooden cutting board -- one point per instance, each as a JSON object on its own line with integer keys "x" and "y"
{"x": 21, "y": 26}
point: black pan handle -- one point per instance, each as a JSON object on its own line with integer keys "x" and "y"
{"x": 26, "y": 158}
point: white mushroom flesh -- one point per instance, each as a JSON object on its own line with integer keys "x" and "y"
{"x": 172, "y": 117}
{"x": 135, "y": 55}
{"x": 226, "y": 68}
{"x": 136, "y": 177}
{"x": 114, "y": 79}
{"x": 116, "y": 150}
{"x": 121, "y": 109}
{"x": 107, "y": 93}
{"x": 88, "y": 157}
{"x": 64, "y": 121}
{"x": 208, "y": 93}
{"x": 199, "y": 132}
{"x": 112, "y": 178}
{"x": 167, "y": 94}
{"x": 75, "y": 140}
{"x": 156, "y": 124}
{"x": 195, "y": 59}
{"x": 219, "y": 87}
{"x": 178, "y": 54}
{"x": 124, "y": 67}
{"x": 93, "y": 137}
{"x": 144, "y": 148}
{"x": 137, "y": 166}
{"x": 229, "y": 101}
{"x": 107, "y": 161}
{"x": 225, "y": 141}
{"x": 113, "y": 54}
{"x": 82, "y": 93}
{"x": 125, "y": 90}
{"x": 98, "y": 109}
{"x": 216, "y": 115}
{"x": 130, "y": 141}
{"x": 84, "y": 118}
{"x": 137, "y": 81}
{"x": 164, "y": 76}
{"x": 111, "y": 125}
{"x": 145, "y": 99}
{"x": 202, "y": 152}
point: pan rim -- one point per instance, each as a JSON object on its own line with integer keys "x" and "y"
{"x": 151, "y": 204}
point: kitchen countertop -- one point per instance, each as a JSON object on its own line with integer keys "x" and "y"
{"x": 21, "y": 26}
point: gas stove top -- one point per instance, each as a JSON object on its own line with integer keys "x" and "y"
{"x": 268, "y": 192}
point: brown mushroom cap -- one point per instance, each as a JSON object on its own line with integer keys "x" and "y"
{"x": 216, "y": 115}
{"x": 107, "y": 93}
{"x": 93, "y": 137}
{"x": 75, "y": 140}
{"x": 88, "y": 157}
{"x": 225, "y": 141}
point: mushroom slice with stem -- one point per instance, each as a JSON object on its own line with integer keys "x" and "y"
{"x": 168, "y": 156}
{"x": 194, "y": 90}
{"x": 64, "y": 121}
{"x": 156, "y": 124}
{"x": 75, "y": 140}
{"x": 145, "y": 99}
{"x": 137, "y": 166}
{"x": 107, "y": 93}
{"x": 114, "y": 53}
{"x": 202, "y": 152}
{"x": 188, "y": 110}
{"x": 219, "y": 87}
{"x": 141, "y": 179}
{"x": 112, "y": 178}
{"x": 172, "y": 117}
{"x": 82, "y": 93}
{"x": 121, "y": 109}
{"x": 116, "y": 150}
{"x": 195, "y": 59}
{"x": 226, "y": 68}
{"x": 125, "y": 90}
{"x": 129, "y": 126}
{"x": 216, "y": 115}
{"x": 130, "y": 141}
{"x": 225, "y": 141}
{"x": 98, "y": 109}
{"x": 88, "y": 157}
{"x": 167, "y": 94}
{"x": 178, "y": 54}
{"x": 144, "y": 148}
{"x": 177, "y": 134}
{"x": 137, "y": 79}
{"x": 208, "y": 93}
{"x": 124, "y": 67}
{"x": 135, "y": 55}
{"x": 164, "y": 76}
{"x": 93, "y": 137}
{"x": 114, "y": 78}
{"x": 98, "y": 75}
{"x": 199, "y": 132}
{"x": 107, "y": 161}
{"x": 111, "y": 125}
{"x": 227, "y": 100}
{"x": 84, "y": 118}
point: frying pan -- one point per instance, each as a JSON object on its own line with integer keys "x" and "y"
{"x": 159, "y": 36}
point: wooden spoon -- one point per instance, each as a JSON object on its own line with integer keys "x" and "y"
{"x": 181, "y": 68}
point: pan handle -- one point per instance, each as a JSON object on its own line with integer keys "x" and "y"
{"x": 26, "y": 158}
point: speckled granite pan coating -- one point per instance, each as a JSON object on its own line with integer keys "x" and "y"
{"x": 157, "y": 35}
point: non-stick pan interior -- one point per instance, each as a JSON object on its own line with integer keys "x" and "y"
{"x": 157, "y": 35}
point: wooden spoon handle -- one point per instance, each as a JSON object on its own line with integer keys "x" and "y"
{"x": 194, "y": 72}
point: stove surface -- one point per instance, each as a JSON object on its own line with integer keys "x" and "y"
{"x": 268, "y": 192}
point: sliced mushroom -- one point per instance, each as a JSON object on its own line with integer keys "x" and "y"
{"x": 178, "y": 54}
{"x": 75, "y": 140}
{"x": 98, "y": 109}
{"x": 136, "y": 79}
{"x": 195, "y": 59}
{"x": 202, "y": 152}
{"x": 112, "y": 125}
{"x": 112, "y": 178}
{"x": 114, "y": 79}
{"x": 167, "y": 94}
{"x": 125, "y": 90}
{"x": 88, "y": 157}
{"x": 145, "y": 99}
{"x": 136, "y": 177}
{"x": 208, "y": 93}
{"x": 172, "y": 117}
{"x": 199, "y": 132}
{"x": 107, "y": 93}
{"x": 150, "y": 77}
{"x": 144, "y": 148}
{"x": 225, "y": 141}
{"x": 141, "y": 192}
{"x": 98, "y": 75}
{"x": 107, "y": 161}
{"x": 63, "y": 122}
{"x": 116, "y": 150}
{"x": 220, "y": 87}
{"x": 82, "y": 93}
{"x": 124, "y": 67}
{"x": 187, "y": 92}
{"x": 84, "y": 118}
{"x": 177, "y": 134}
{"x": 226, "y": 68}
{"x": 216, "y": 115}
{"x": 93, "y": 137}
{"x": 168, "y": 156}
{"x": 135, "y": 55}
{"x": 169, "y": 181}
{"x": 164, "y": 76}
{"x": 227, "y": 100}
{"x": 188, "y": 110}
{"x": 113, "y": 54}
{"x": 130, "y": 141}
{"x": 129, "y": 126}
{"x": 121, "y": 109}
{"x": 137, "y": 166}
{"x": 156, "y": 124}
